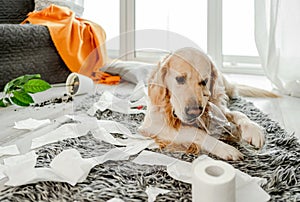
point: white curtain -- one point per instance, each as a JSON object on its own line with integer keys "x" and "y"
{"x": 277, "y": 34}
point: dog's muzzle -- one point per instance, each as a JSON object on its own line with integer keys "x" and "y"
{"x": 192, "y": 112}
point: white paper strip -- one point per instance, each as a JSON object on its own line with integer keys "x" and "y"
{"x": 9, "y": 150}
{"x": 175, "y": 168}
{"x": 103, "y": 135}
{"x": 122, "y": 153}
{"x": 106, "y": 127}
{"x": 68, "y": 166}
{"x": 2, "y": 175}
{"x": 153, "y": 192}
{"x": 139, "y": 92}
{"x": 247, "y": 187}
{"x": 109, "y": 101}
{"x": 153, "y": 158}
{"x": 65, "y": 131}
{"x": 31, "y": 124}
{"x": 82, "y": 118}
{"x": 19, "y": 168}
{"x": 115, "y": 200}
{"x": 115, "y": 127}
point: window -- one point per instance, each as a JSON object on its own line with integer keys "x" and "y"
{"x": 224, "y": 29}
{"x": 144, "y": 30}
{"x": 169, "y": 25}
{"x": 107, "y": 15}
{"x": 239, "y": 51}
{"x": 238, "y": 28}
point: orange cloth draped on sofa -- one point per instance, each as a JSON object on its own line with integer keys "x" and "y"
{"x": 79, "y": 42}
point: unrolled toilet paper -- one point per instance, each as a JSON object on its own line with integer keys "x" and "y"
{"x": 213, "y": 181}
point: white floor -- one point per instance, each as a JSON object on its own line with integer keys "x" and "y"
{"x": 285, "y": 110}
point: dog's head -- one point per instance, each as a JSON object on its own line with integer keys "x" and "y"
{"x": 183, "y": 84}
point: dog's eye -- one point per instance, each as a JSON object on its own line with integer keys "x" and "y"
{"x": 203, "y": 82}
{"x": 180, "y": 79}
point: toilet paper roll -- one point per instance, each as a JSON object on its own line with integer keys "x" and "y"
{"x": 213, "y": 181}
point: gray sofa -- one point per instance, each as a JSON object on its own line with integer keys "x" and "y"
{"x": 26, "y": 49}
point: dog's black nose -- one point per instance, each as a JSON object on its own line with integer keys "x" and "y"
{"x": 193, "y": 111}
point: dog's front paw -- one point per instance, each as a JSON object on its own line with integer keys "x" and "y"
{"x": 227, "y": 152}
{"x": 252, "y": 133}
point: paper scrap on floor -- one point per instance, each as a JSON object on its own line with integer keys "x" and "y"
{"x": 31, "y": 124}
{"x": 68, "y": 166}
{"x": 9, "y": 150}
{"x": 133, "y": 104}
{"x": 153, "y": 192}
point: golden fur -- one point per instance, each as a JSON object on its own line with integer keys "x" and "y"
{"x": 181, "y": 91}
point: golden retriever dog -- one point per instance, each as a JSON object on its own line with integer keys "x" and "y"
{"x": 186, "y": 91}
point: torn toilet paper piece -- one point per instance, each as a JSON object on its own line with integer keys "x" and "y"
{"x": 20, "y": 168}
{"x": 104, "y": 135}
{"x": 153, "y": 158}
{"x": 175, "y": 167}
{"x": 177, "y": 170}
{"x": 70, "y": 130}
{"x": 68, "y": 166}
{"x": 82, "y": 118}
{"x": 2, "y": 175}
{"x": 115, "y": 200}
{"x": 105, "y": 125}
{"x": 106, "y": 128}
{"x": 31, "y": 124}
{"x": 9, "y": 150}
{"x": 109, "y": 101}
{"x": 153, "y": 192}
{"x": 247, "y": 187}
{"x": 115, "y": 127}
{"x": 72, "y": 170}
{"x": 139, "y": 91}
{"x": 101, "y": 129}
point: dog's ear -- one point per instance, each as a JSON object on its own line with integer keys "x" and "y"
{"x": 157, "y": 89}
{"x": 213, "y": 78}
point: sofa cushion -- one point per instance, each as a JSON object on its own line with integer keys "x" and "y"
{"x": 28, "y": 49}
{"x": 15, "y": 11}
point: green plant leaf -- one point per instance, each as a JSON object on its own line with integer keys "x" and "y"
{"x": 18, "y": 102}
{"x": 22, "y": 97}
{"x": 18, "y": 82}
{"x": 36, "y": 85}
{"x": 2, "y": 103}
{"x": 7, "y": 101}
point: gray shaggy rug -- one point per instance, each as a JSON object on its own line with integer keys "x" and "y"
{"x": 278, "y": 162}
